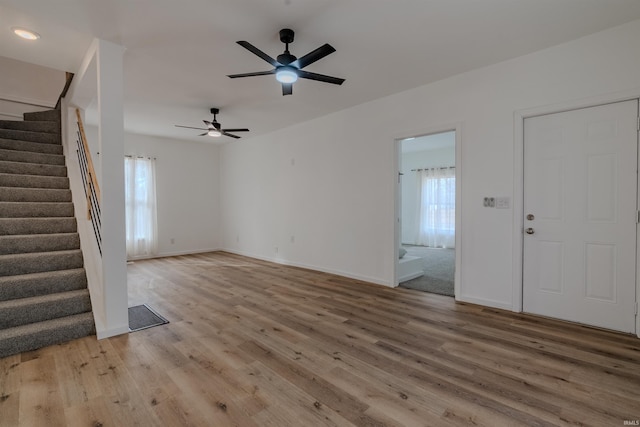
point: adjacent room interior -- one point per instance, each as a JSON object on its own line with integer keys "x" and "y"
{"x": 428, "y": 204}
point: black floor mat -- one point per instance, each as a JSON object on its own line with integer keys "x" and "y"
{"x": 143, "y": 317}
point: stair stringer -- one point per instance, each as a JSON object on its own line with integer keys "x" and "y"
{"x": 88, "y": 244}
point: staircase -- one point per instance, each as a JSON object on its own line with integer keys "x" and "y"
{"x": 44, "y": 298}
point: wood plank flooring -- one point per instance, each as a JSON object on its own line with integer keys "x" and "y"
{"x": 252, "y": 343}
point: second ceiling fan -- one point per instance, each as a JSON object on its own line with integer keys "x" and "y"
{"x": 289, "y": 68}
{"x": 214, "y": 128}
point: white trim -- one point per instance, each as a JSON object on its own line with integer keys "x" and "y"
{"x": 27, "y": 101}
{"x": 310, "y": 267}
{"x": 457, "y": 128}
{"x": 483, "y": 302}
{"x": 177, "y": 253}
{"x": 108, "y": 333}
{"x": 518, "y": 179}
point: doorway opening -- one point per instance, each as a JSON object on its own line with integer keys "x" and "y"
{"x": 427, "y": 213}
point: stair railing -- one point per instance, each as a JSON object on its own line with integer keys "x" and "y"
{"x": 89, "y": 182}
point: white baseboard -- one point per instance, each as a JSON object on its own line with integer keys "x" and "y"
{"x": 108, "y": 333}
{"x": 177, "y": 253}
{"x": 485, "y": 302}
{"x": 312, "y": 267}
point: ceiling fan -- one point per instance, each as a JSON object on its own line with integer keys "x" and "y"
{"x": 287, "y": 67}
{"x": 214, "y": 128}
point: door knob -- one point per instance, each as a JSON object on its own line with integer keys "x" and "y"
{"x": 529, "y": 230}
{"x": 530, "y": 217}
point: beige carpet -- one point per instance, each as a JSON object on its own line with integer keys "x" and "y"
{"x": 438, "y": 266}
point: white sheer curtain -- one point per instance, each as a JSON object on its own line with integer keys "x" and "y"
{"x": 140, "y": 200}
{"x": 436, "y": 207}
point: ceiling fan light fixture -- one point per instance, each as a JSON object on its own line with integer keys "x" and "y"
{"x": 214, "y": 133}
{"x": 25, "y": 34}
{"x": 286, "y": 75}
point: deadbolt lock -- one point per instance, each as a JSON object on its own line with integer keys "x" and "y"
{"x": 530, "y": 217}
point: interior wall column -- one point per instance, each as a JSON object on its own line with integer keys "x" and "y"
{"x": 110, "y": 84}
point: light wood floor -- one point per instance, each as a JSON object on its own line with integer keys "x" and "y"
{"x": 257, "y": 344}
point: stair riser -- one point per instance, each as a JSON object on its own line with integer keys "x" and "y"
{"x": 33, "y": 181}
{"x": 38, "y": 243}
{"x": 32, "y": 337}
{"x": 11, "y": 265}
{"x": 20, "y": 313}
{"x": 35, "y": 210}
{"x": 28, "y": 157}
{"x": 49, "y": 115}
{"x": 31, "y": 125}
{"x": 34, "y": 147}
{"x": 45, "y": 283}
{"x": 10, "y": 226}
{"x": 23, "y": 135}
{"x": 32, "y": 169}
{"x": 17, "y": 194}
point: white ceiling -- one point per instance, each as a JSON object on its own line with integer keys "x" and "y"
{"x": 178, "y": 53}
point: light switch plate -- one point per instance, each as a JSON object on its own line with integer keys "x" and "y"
{"x": 503, "y": 202}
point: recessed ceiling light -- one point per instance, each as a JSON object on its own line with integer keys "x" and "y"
{"x": 25, "y": 34}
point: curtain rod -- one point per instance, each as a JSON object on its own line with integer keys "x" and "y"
{"x": 431, "y": 169}
{"x": 139, "y": 157}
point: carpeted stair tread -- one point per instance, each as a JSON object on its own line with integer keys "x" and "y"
{"x": 29, "y": 157}
{"x": 44, "y": 298}
{"x": 9, "y": 226}
{"x": 21, "y": 168}
{"x": 18, "y": 312}
{"x": 37, "y": 335}
{"x": 36, "y": 262}
{"x": 25, "y": 135}
{"x": 33, "y": 181}
{"x": 20, "y": 244}
{"x": 35, "y": 209}
{"x": 48, "y": 115}
{"x": 25, "y": 194}
{"x": 43, "y": 283}
{"x": 47, "y": 126}
{"x": 33, "y": 147}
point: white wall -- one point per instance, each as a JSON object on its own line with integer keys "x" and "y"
{"x": 187, "y": 191}
{"x": 338, "y": 197}
{"x": 27, "y": 87}
{"x": 409, "y": 188}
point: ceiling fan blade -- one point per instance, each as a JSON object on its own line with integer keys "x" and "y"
{"x": 204, "y": 134}
{"x": 313, "y": 56}
{"x": 234, "y": 130}
{"x": 287, "y": 89}
{"x": 232, "y": 136}
{"x": 320, "y": 77}
{"x": 251, "y": 48}
{"x": 189, "y": 127}
{"x": 259, "y": 73}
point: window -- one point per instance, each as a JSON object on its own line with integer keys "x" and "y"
{"x": 140, "y": 203}
{"x": 437, "y": 207}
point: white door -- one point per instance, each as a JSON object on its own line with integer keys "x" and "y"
{"x": 580, "y": 207}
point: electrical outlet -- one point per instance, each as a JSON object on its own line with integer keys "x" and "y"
{"x": 293, "y": 239}
{"x": 489, "y": 202}
{"x": 276, "y": 249}
{"x": 173, "y": 240}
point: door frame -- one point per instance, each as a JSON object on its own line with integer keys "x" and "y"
{"x": 518, "y": 189}
{"x": 397, "y": 140}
